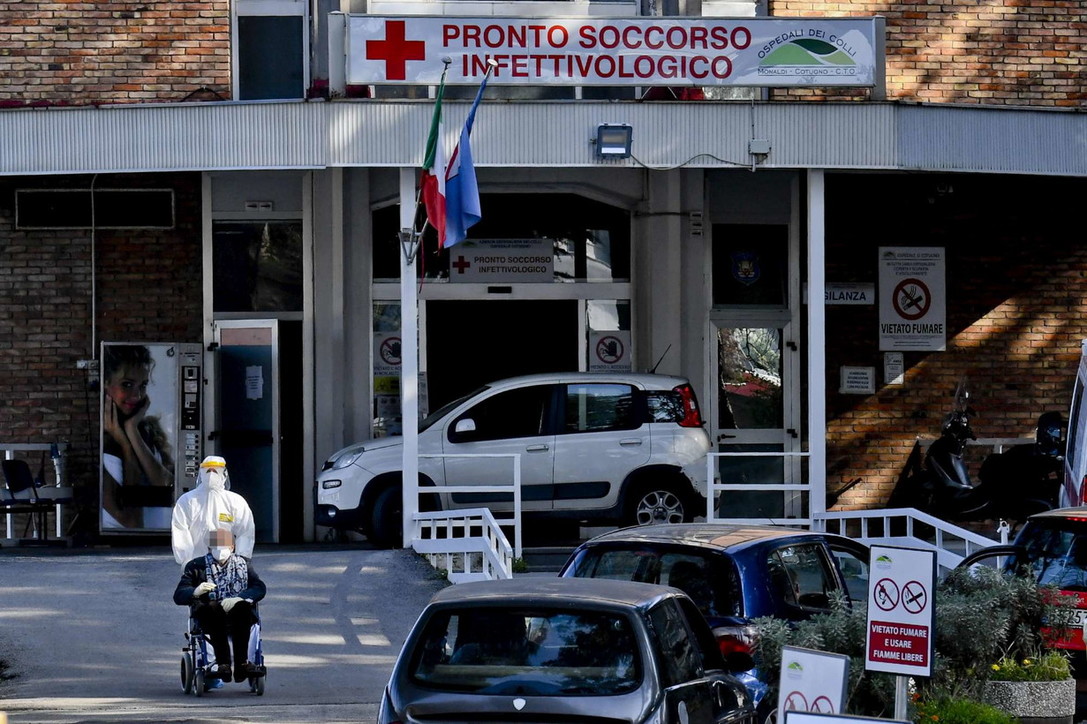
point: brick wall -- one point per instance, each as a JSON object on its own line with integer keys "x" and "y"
{"x": 114, "y": 52}
{"x": 1011, "y": 52}
{"x": 149, "y": 289}
{"x": 1015, "y": 313}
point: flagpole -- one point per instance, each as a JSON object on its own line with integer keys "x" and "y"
{"x": 446, "y": 61}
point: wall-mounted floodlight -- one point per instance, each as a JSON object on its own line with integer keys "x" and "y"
{"x": 613, "y": 140}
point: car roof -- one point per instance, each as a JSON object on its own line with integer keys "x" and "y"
{"x": 548, "y": 591}
{"x": 1062, "y": 513}
{"x": 648, "y": 381}
{"x": 707, "y": 535}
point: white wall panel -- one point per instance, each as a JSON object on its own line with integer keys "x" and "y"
{"x": 241, "y": 136}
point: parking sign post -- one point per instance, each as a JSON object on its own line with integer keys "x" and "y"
{"x": 901, "y": 615}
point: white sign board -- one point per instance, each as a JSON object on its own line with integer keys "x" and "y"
{"x": 857, "y": 380}
{"x": 901, "y": 612}
{"x": 639, "y": 51}
{"x": 856, "y": 294}
{"x": 609, "y": 351}
{"x": 387, "y": 354}
{"x": 487, "y": 261}
{"x": 800, "y": 717}
{"x": 812, "y": 681}
{"x": 912, "y": 299}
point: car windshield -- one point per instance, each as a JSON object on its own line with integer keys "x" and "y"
{"x": 533, "y": 652}
{"x": 1055, "y": 553}
{"x": 444, "y": 410}
{"x": 710, "y": 580}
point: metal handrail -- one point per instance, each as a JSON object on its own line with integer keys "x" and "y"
{"x": 446, "y": 535}
{"x": 713, "y": 487}
{"x": 909, "y": 519}
{"x": 513, "y": 488}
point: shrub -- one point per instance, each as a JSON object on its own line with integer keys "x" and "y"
{"x": 984, "y": 617}
{"x": 950, "y": 710}
{"x": 840, "y": 631}
{"x": 1050, "y": 666}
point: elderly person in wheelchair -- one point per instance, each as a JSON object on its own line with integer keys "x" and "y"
{"x": 222, "y": 589}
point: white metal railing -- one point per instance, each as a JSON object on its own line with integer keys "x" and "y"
{"x": 450, "y": 531}
{"x": 468, "y": 544}
{"x": 909, "y": 526}
{"x": 713, "y": 487}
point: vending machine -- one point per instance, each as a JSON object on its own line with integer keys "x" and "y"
{"x": 151, "y": 440}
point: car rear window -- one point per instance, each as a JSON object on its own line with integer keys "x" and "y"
{"x": 1055, "y": 552}
{"x": 535, "y": 652}
{"x": 710, "y": 580}
{"x": 665, "y": 406}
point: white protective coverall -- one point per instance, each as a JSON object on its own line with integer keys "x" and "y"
{"x": 208, "y": 506}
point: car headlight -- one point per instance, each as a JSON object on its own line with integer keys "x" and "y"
{"x": 344, "y": 460}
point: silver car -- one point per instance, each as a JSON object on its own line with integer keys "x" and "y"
{"x": 563, "y": 649}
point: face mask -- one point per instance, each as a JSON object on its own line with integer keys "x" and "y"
{"x": 221, "y": 553}
{"x": 215, "y": 480}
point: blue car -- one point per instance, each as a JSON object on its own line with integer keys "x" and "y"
{"x": 733, "y": 574}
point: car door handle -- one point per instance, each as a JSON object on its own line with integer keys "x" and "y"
{"x": 631, "y": 441}
{"x": 536, "y": 448}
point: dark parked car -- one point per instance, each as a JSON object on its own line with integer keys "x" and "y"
{"x": 1052, "y": 546}
{"x": 733, "y": 574}
{"x": 555, "y": 650}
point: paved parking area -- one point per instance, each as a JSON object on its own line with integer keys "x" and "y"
{"x": 94, "y": 636}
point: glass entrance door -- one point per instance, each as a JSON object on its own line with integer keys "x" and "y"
{"x": 755, "y": 372}
{"x": 756, "y": 425}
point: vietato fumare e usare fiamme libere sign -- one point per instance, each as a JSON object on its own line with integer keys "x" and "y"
{"x": 643, "y": 51}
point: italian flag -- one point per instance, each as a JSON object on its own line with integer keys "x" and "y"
{"x": 432, "y": 182}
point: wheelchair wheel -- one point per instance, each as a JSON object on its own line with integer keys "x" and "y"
{"x": 187, "y": 672}
{"x": 198, "y": 684}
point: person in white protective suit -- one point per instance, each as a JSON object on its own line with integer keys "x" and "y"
{"x": 207, "y": 507}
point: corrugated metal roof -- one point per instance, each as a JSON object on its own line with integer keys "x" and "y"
{"x": 270, "y": 135}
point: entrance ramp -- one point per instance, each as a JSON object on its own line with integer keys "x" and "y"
{"x": 910, "y": 528}
{"x": 467, "y": 544}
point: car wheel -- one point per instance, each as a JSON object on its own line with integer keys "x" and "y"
{"x": 658, "y": 504}
{"x": 386, "y": 518}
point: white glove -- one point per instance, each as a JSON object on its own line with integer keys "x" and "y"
{"x": 205, "y": 587}
{"x": 229, "y": 603}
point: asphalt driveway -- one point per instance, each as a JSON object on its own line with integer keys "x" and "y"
{"x": 94, "y": 636}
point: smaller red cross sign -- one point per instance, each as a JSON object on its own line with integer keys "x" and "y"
{"x": 461, "y": 264}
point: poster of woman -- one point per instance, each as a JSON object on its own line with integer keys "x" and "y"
{"x": 138, "y": 436}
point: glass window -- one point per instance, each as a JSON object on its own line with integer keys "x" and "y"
{"x": 855, "y": 572}
{"x": 800, "y": 576}
{"x": 535, "y": 652}
{"x": 677, "y": 655}
{"x": 514, "y": 413}
{"x": 257, "y": 266}
{"x": 749, "y": 264}
{"x": 710, "y": 580}
{"x": 270, "y": 57}
{"x": 749, "y": 374}
{"x": 598, "y": 407}
{"x": 1056, "y": 553}
{"x": 589, "y": 240}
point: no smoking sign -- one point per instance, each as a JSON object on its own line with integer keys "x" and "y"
{"x": 900, "y": 623}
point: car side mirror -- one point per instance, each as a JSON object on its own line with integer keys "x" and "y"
{"x": 465, "y": 425}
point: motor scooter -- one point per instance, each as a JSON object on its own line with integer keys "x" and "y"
{"x": 1013, "y": 485}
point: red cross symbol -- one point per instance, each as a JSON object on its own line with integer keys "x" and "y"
{"x": 395, "y": 50}
{"x": 461, "y": 264}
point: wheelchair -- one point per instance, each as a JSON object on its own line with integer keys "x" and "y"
{"x": 195, "y": 659}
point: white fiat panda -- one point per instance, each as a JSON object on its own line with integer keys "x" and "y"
{"x": 615, "y": 448}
